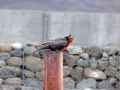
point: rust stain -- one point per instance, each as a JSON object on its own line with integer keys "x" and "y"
{"x": 53, "y": 78}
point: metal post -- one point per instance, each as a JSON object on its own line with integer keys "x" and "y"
{"x": 45, "y": 25}
{"x": 53, "y": 73}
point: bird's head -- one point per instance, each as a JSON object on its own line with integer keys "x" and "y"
{"x": 69, "y": 39}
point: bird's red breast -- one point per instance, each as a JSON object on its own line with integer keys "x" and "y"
{"x": 69, "y": 42}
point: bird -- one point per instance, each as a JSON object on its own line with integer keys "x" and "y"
{"x": 60, "y": 44}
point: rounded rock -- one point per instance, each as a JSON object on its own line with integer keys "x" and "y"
{"x": 33, "y": 83}
{"x": 103, "y": 64}
{"x": 87, "y": 83}
{"x": 29, "y": 50}
{"x": 13, "y": 81}
{"x": 69, "y": 59}
{"x": 8, "y": 72}
{"x": 5, "y": 48}
{"x": 94, "y": 52}
{"x": 33, "y": 63}
{"x": 112, "y": 80}
{"x": 2, "y": 63}
{"x": 113, "y": 61}
{"x": 105, "y": 55}
{"x": 82, "y": 63}
{"x": 117, "y": 75}
{"x": 69, "y": 83}
{"x": 94, "y": 73}
{"x": 39, "y": 75}
{"x": 28, "y": 74}
{"x": 4, "y": 56}
{"x": 111, "y": 71}
{"x": 117, "y": 85}
{"x": 84, "y": 56}
{"x": 38, "y": 54}
{"x": 77, "y": 73}
{"x": 105, "y": 84}
{"x": 17, "y": 53}
{"x": 93, "y": 63}
{"x": 66, "y": 70}
{"x": 75, "y": 50}
{"x": 111, "y": 51}
{"x": 1, "y": 81}
{"x": 14, "y": 61}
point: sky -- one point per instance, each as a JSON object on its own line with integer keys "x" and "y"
{"x": 63, "y": 5}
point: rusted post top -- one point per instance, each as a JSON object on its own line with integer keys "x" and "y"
{"x": 53, "y": 70}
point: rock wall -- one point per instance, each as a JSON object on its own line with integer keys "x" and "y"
{"x": 92, "y": 68}
{"x": 84, "y": 68}
{"x": 19, "y": 67}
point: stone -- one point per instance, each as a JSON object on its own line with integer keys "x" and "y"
{"x": 111, "y": 51}
{"x": 13, "y": 81}
{"x": 5, "y": 48}
{"x": 82, "y": 63}
{"x": 69, "y": 59}
{"x": 105, "y": 55}
{"x": 87, "y": 89}
{"x": 33, "y": 83}
{"x": 112, "y": 80}
{"x": 118, "y": 67}
{"x": 117, "y": 85}
{"x": 29, "y": 50}
{"x": 105, "y": 84}
{"x": 29, "y": 88}
{"x": 17, "y": 53}
{"x": 7, "y": 87}
{"x": 1, "y": 81}
{"x": 118, "y": 60}
{"x": 86, "y": 83}
{"x": 66, "y": 71}
{"x": 33, "y": 63}
{"x": 104, "y": 59}
{"x": 103, "y": 64}
{"x": 113, "y": 61}
{"x": 117, "y": 75}
{"x": 84, "y": 56}
{"x": 111, "y": 71}
{"x": 77, "y": 73}
{"x": 4, "y": 56}
{"x": 37, "y": 54}
{"x": 94, "y": 73}
{"x": 17, "y": 45}
{"x": 28, "y": 74}
{"x": 14, "y": 61}
{"x": 75, "y": 50}
{"x": 93, "y": 63}
{"x": 8, "y": 72}
{"x": 69, "y": 83}
{"x": 94, "y": 52}
{"x": 2, "y": 63}
{"x": 39, "y": 75}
